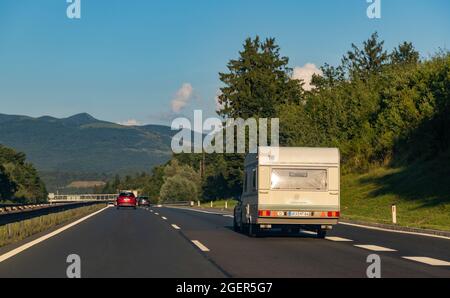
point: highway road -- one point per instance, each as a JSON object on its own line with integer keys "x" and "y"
{"x": 182, "y": 243}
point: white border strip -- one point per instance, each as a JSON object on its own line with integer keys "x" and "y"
{"x": 196, "y": 210}
{"x": 28, "y": 245}
{"x": 393, "y": 231}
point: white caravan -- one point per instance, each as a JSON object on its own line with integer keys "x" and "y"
{"x": 291, "y": 189}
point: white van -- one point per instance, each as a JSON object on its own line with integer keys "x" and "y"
{"x": 291, "y": 189}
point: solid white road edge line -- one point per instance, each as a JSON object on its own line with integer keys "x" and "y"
{"x": 176, "y": 227}
{"x": 200, "y": 245}
{"x": 196, "y": 210}
{"x": 392, "y": 231}
{"x": 28, "y": 245}
{"x": 428, "y": 261}
{"x": 375, "y": 248}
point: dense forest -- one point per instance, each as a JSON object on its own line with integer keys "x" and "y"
{"x": 380, "y": 108}
{"x": 19, "y": 180}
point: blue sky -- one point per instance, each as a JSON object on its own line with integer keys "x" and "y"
{"x": 135, "y": 60}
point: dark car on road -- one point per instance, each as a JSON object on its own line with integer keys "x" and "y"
{"x": 143, "y": 201}
{"x": 126, "y": 199}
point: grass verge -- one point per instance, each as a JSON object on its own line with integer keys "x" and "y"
{"x": 420, "y": 192}
{"x": 15, "y": 232}
{"x": 220, "y": 204}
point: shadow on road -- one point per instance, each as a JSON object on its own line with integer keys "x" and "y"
{"x": 279, "y": 234}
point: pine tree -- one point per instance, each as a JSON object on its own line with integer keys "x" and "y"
{"x": 366, "y": 61}
{"x": 405, "y": 54}
{"x": 257, "y": 82}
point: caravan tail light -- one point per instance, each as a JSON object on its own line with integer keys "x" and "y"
{"x": 333, "y": 214}
{"x": 264, "y": 213}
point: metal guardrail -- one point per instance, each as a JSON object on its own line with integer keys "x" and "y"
{"x": 8, "y": 208}
{"x": 82, "y": 198}
{"x": 183, "y": 203}
{"x": 8, "y": 216}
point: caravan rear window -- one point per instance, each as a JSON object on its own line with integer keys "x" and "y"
{"x": 299, "y": 179}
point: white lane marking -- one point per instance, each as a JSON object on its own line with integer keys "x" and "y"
{"x": 226, "y": 215}
{"x": 200, "y": 245}
{"x": 338, "y": 239}
{"x": 156, "y": 213}
{"x": 28, "y": 245}
{"x": 428, "y": 261}
{"x": 165, "y": 218}
{"x": 392, "y": 231}
{"x": 196, "y": 210}
{"x": 375, "y": 248}
{"x": 176, "y": 227}
{"x": 308, "y": 232}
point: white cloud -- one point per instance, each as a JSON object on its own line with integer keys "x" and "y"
{"x": 182, "y": 97}
{"x": 130, "y": 122}
{"x": 219, "y": 106}
{"x": 305, "y": 74}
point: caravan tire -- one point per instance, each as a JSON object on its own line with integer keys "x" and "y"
{"x": 253, "y": 230}
{"x": 236, "y": 227}
{"x": 321, "y": 234}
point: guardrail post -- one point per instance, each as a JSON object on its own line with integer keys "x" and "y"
{"x": 198, "y": 203}
{"x": 394, "y": 214}
{"x": 226, "y": 204}
{"x": 211, "y": 204}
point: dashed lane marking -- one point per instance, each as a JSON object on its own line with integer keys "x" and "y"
{"x": 428, "y": 261}
{"x": 338, "y": 239}
{"x": 375, "y": 248}
{"x": 200, "y": 246}
{"x": 176, "y": 227}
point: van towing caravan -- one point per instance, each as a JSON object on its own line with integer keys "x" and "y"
{"x": 291, "y": 189}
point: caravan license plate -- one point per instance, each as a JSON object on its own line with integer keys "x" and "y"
{"x": 299, "y": 214}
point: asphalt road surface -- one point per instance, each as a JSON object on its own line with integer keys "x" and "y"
{"x": 172, "y": 242}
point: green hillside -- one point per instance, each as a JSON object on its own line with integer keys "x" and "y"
{"x": 84, "y": 146}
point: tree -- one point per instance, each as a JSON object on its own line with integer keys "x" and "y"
{"x": 154, "y": 184}
{"x": 257, "y": 82}
{"x": 7, "y": 187}
{"x": 331, "y": 76}
{"x": 179, "y": 175}
{"x": 370, "y": 59}
{"x": 178, "y": 188}
{"x": 24, "y": 179}
{"x": 405, "y": 53}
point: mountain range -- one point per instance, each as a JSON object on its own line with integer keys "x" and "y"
{"x": 83, "y": 144}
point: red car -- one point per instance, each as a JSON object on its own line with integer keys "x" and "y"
{"x": 126, "y": 199}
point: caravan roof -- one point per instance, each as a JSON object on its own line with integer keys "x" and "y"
{"x": 294, "y": 155}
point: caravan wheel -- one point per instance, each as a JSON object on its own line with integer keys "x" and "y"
{"x": 321, "y": 233}
{"x": 236, "y": 227}
{"x": 253, "y": 230}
